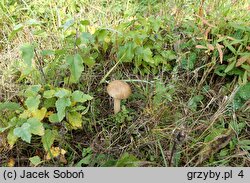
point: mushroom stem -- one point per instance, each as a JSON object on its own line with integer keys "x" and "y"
{"x": 117, "y": 105}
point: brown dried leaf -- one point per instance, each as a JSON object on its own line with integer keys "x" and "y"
{"x": 210, "y": 47}
{"x": 200, "y": 47}
{"x": 241, "y": 60}
{"x": 218, "y": 46}
{"x": 248, "y": 48}
{"x": 214, "y": 146}
{"x": 207, "y": 32}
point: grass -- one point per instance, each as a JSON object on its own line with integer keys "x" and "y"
{"x": 180, "y": 117}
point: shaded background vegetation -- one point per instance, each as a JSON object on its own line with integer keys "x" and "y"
{"x": 187, "y": 62}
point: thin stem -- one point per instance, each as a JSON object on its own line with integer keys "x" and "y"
{"x": 117, "y": 105}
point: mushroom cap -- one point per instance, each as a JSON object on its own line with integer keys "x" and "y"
{"x": 119, "y": 89}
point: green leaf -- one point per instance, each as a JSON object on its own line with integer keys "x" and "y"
{"x": 11, "y": 106}
{"x": 78, "y": 96}
{"x": 32, "y": 91}
{"x": 127, "y": 160}
{"x": 53, "y": 118}
{"x": 89, "y": 61}
{"x": 61, "y": 105}
{"x": 76, "y": 67}
{"x": 23, "y": 132}
{"x": 85, "y": 22}
{"x": 27, "y": 54}
{"x": 61, "y": 93}
{"x": 49, "y": 138}
{"x": 244, "y": 91}
{"x": 33, "y": 102}
{"x": 230, "y": 66}
{"x": 39, "y": 113}
{"x": 49, "y": 93}
{"x": 11, "y": 138}
{"x": 75, "y": 120}
{"x": 36, "y": 127}
{"x": 35, "y": 160}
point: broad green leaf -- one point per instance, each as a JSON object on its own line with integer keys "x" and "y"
{"x": 244, "y": 91}
{"x": 36, "y": 127}
{"x": 35, "y": 160}
{"x": 27, "y": 54}
{"x": 39, "y": 113}
{"x": 61, "y": 105}
{"x": 89, "y": 61}
{"x": 62, "y": 93}
{"x": 48, "y": 138}
{"x": 32, "y": 103}
{"x": 49, "y": 93}
{"x": 78, "y": 96}
{"x": 85, "y": 22}
{"x": 49, "y": 102}
{"x": 23, "y": 132}
{"x": 53, "y": 118}
{"x": 127, "y": 160}
{"x": 75, "y": 120}
{"x": 32, "y": 91}
{"x": 11, "y": 138}
{"x": 11, "y": 106}
{"x": 76, "y": 67}
{"x": 230, "y": 66}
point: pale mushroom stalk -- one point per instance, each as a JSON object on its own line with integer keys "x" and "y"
{"x": 117, "y": 105}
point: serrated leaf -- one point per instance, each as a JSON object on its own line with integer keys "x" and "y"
{"x": 36, "y": 127}
{"x": 27, "y": 54}
{"x": 11, "y": 138}
{"x": 62, "y": 93}
{"x": 39, "y": 113}
{"x": 53, "y": 118}
{"x": 76, "y": 67}
{"x": 61, "y": 105}
{"x": 48, "y": 138}
{"x": 78, "y": 96}
{"x": 75, "y": 120}
{"x": 49, "y": 93}
{"x": 23, "y": 132}
{"x": 32, "y": 103}
{"x": 11, "y": 106}
{"x": 32, "y": 91}
{"x": 35, "y": 160}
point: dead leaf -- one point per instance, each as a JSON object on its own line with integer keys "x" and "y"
{"x": 207, "y": 32}
{"x": 55, "y": 152}
{"x": 210, "y": 47}
{"x": 242, "y": 60}
{"x": 214, "y": 146}
{"x": 200, "y": 47}
{"x": 11, "y": 162}
{"x": 248, "y": 48}
{"x": 218, "y": 46}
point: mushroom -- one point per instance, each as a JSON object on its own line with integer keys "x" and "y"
{"x": 118, "y": 90}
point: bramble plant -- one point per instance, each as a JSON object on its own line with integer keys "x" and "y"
{"x": 43, "y": 107}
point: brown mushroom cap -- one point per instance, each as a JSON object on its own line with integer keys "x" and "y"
{"x": 119, "y": 89}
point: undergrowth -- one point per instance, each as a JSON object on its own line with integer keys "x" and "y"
{"x": 188, "y": 64}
